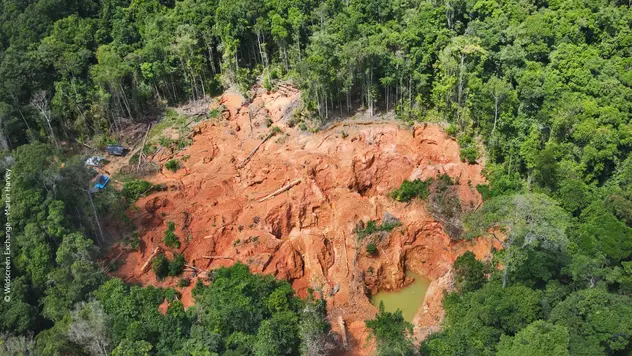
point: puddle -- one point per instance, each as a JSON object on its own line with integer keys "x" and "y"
{"x": 408, "y": 299}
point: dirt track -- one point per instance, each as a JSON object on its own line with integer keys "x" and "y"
{"x": 305, "y": 234}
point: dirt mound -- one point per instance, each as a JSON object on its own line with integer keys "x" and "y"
{"x": 305, "y": 233}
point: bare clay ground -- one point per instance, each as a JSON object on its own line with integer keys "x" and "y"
{"x": 305, "y": 234}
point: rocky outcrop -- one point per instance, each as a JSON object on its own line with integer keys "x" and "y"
{"x": 280, "y": 220}
{"x": 287, "y": 263}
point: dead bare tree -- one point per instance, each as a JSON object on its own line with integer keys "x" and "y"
{"x": 315, "y": 330}
{"x": 4, "y": 142}
{"x": 17, "y": 344}
{"x": 40, "y": 102}
{"x": 89, "y": 328}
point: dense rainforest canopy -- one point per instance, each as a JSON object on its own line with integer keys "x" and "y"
{"x": 541, "y": 91}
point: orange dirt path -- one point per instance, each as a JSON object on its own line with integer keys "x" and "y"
{"x": 305, "y": 234}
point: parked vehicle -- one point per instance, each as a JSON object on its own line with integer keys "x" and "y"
{"x": 115, "y": 150}
{"x": 99, "y": 183}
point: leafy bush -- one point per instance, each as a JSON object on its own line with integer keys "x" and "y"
{"x": 484, "y": 190}
{"x": 136, "y": 188}
{"x": 134, "y": 158}
{"x": 469, "y": 151}
{"x": 171, "y": 294}
{"x": 133, "y": 241}
{"x": 452, "y": 130}
{"x": 371, "y": 227}
{"x": 170, "y": 239}
{"x": 410, "y": 190}
{"x": 176, "y": 266}
{"x": 469, "y": 154}
{"x": 184, "y": 282}
{"x": 160, "y": 265}
{"x": 213, "y": 114}
{"x": 468, "y": 273}
{"x": 183, "y": 142}
{"x": 391, "y": 333}
{"x": 371, "y": 248}
{"x": 245, "y": 79}
{"x": 149, "y": 149}
{"x": 165, "y": 141}
{"x": 172, "y": 165}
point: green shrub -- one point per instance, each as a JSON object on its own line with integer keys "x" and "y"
{"x": 484, "y": 190}
{"x": 171, "y": 294}
{"x": 213, "y": 114}
{"x": 176, "y": 266}
{"x": 371, "y": 227}
{"x": 184, "y": 282}
{"x": 172, "y": 165}
{"x": 149, "y": 149}
{"x": 134, "y": 159}
{"x": 134, "y": 189}
{"x": 165, "y": 141}
{"x": 410, "y": 190}
{"x": 452, "y": 130}
{"x": 160, "y": 265}
{"x": 183, "y": 142}
{"x": 371, "y": 248}
{"x": 133, "y": 241}
{"x": 469, "y": 274}
{"x": 245, "y": 79}
{"x": 170, "y": 239}
{"x": 198, "y": 289}
{"x": 469, "y": 152}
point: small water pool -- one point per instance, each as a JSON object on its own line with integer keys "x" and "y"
{"x": 408, "y": 299}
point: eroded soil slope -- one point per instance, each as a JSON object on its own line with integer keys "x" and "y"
{"x": 305, "y": 234}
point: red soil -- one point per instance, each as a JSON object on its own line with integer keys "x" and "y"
{"x": 305, "y": 235}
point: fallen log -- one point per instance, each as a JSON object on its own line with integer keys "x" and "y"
{"x": 116, "y": 258}
{"x": 343, "y": 331}
{"x": 192, "y": 267}
{"x": 218, "y": 257}
{"x": 151, "y": 257}
{"x": 280, "y": 190}
{"x": 252, "y": 153}
{"x": 142, "y": 148}
{"x": 85, "y": 145}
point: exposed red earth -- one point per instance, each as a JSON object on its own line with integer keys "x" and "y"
{"x": 342, "y": 174}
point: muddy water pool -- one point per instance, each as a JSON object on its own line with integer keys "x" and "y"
{"x": 408, "y": 299}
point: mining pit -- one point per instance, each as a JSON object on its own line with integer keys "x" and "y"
{"x": 290, "y": 209}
